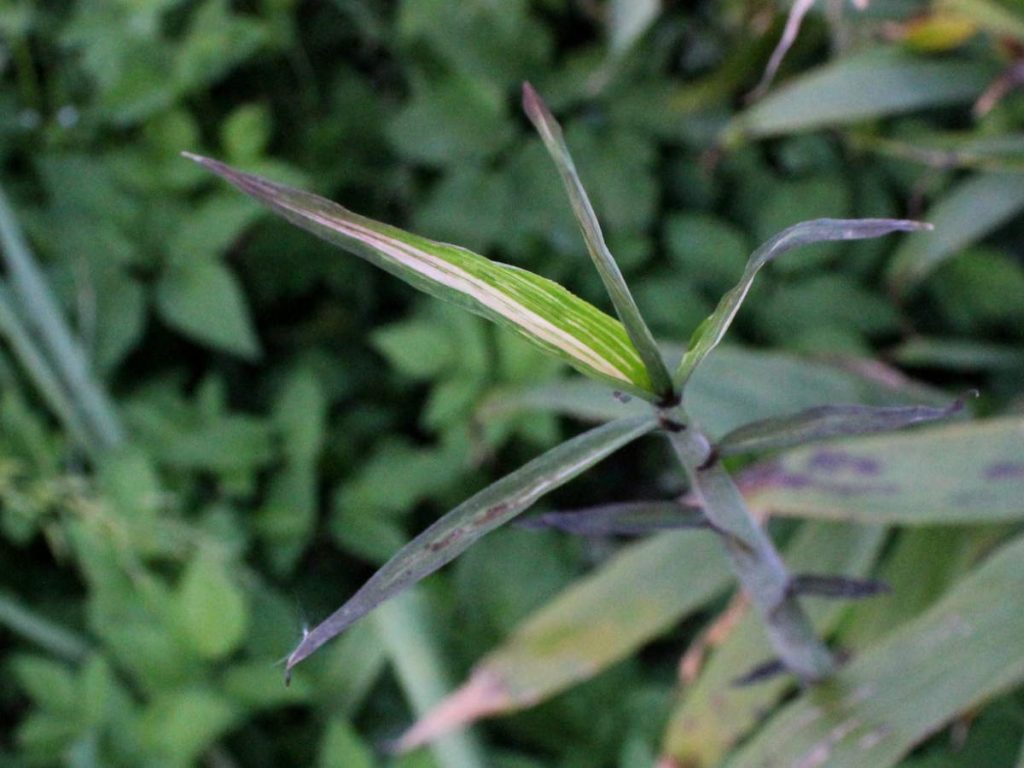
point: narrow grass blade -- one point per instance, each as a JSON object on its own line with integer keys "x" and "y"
{"x": 538, "y": 309}
{"x": 710, "y": 332}
{"x": 828, "y": 422}
{"x": 959, "y": 473}
{"x": 450, "y": 536}
{"x": 43, "y": 377}
{"x": 874, "y": 84}
{"x": 54, "y": 638}
{"x": 714, "y": 714}
{"x": 637, "y": 518}
{"x": 639, "y": 594}
{"x": 404, "y": 628}
{"x": 966, "y": 214}
{"x": 551, "y": 133}
{"x": 41, "y": 313}
{"x": 963, "y": 651}
{"x": 794, "y": 20}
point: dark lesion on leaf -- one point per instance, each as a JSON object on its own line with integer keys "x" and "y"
{"x": 449, "y": 539}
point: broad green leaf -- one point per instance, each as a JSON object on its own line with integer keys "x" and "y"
{"x": 919, "y": 567}
{"x": 957, "y": 354}
{"x": 962, "y": 473}
{"x": 710, "y": 332}
{"x": 714, "y": 713}
{"x": 961, "y": 652}
{"x": 447, "y": 538}
{"x": 203, "y": 300}
{"x": 631, "y": 518}
{"x": 728, "y": 390}
{"x": 551, "y": 133}
{"x": 966, "y": 214}
{"x": 540, "y": 310}
{"x": 640, "y": 593}
{"x": 210, "y": 608}
{"x": 862, "y": 87}
{"x": 827, "y": 422}
{"x": 180, "y": 725}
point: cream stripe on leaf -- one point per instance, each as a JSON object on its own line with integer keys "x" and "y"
{"x": 536, "y": 308}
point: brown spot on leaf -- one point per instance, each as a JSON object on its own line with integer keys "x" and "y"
{"x": 449, "y": 539}
{"x": 493, "y": 512}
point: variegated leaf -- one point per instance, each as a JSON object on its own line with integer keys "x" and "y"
{"x": 540, "y": 310}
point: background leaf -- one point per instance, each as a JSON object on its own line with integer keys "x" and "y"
{"x": 863, "y": 717}
{"x": 913, "y": 479}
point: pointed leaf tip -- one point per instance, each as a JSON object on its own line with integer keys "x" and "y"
{"x": 456, "y": 531}
{"x": 710, "y": 332}
{"x": 540, "y": 310}
{"x": 615, "y": 284}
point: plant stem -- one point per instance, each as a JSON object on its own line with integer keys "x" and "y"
{"x": 43, "y": 318}
{"x": 756, "y": 561}
{"x": 42, "y": 631}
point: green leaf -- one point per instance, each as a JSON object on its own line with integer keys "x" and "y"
{"x": 1001, "y": 19}
{"x": 50, "y": 684}
{"x": 447, "y": 538}
{"x": 957, "y": 354}
{"x": 863, "y": 87}
{"x": 541, "y": 311}
{"x": 963, "y": 216}
{"x": 342, "y": 748}
{"x": 626, "y": 308}
{"x": 963, "y": 651}
{"x": 710, "y": 332}
{"x": 728, "y": 390}
{"x": 962, "y": 473}
{"x": 211, "y": 610}
{"x": 203, "y": 300}
{"x": 246, "y": 132}
{"x": 827, "y": 422}
{"x": 714, "y": 713}
{"x": 637, "y": 595}
{"x": 182, "y": 724}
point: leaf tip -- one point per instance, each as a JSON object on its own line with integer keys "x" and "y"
{"x": 482, "y": 695}
{"x": 537, "y": 110}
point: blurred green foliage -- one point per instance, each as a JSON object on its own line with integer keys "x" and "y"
{"x": 294, "y": 416}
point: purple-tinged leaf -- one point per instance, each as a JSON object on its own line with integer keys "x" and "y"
{"x": 492, "y": 507}
{"x": 829, "y": 422}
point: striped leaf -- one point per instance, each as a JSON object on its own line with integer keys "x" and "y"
{"x": 492, "y": 507}
{"x": 710, "y": 332}
{"x": 538, "y": 309}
